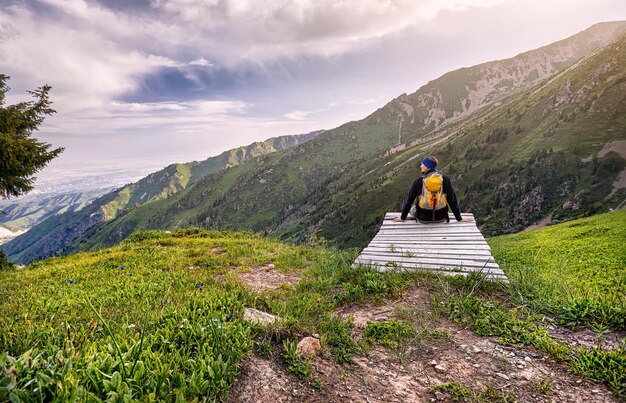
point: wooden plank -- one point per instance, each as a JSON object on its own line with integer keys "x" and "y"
{"x": 431, "y": 232}
{"x": 435, "y": 268}
{"x": 422, "y": 251}
{"x": 425, "y": 238}
{"x": 446, "y": 248}
{"x": 394, "y": 214}
{"x": 420, "y": 245}
{"x": 417, "y": 224}
{"x": 433, "y": 240}
{"x": 489, "y": 276}
{"x": 417, "y": 262}
{"x": 467, "y": 237}
{"x": 441, "y": 255}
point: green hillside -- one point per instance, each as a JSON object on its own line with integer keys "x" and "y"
{"x": 160, "y": 316}
{"x": 54, "y": 234}
{"x": 500, "y": 128}
{"x": 575, "y": 271}
{"x": 512, "y": 165}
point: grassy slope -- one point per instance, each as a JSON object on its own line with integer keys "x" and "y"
{"x": 180, "y": 289}
{"x": 575, "y": 270}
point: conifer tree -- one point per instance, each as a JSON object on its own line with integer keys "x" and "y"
{"x": 21, "y": 155}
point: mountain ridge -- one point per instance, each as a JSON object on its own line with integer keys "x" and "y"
{"x": 275, "y": 192}
{"x": 56, "y": 231}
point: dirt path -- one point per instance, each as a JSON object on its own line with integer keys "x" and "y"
{"x": 386, "y": 375}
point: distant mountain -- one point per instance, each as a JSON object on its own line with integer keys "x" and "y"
{"x": 23, "y": 213}
{"x": 498, "y": 123}
{"x": 62, "y": 228}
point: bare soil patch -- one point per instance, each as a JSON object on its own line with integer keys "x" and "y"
{"x": 386, "y": 375}
{"x": 265, "y": 278}
{"x": 587, "y": 338}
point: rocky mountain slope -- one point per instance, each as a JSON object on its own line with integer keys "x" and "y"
{"x": 339, "y": 185}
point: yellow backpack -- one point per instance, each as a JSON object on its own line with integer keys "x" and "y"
{"x": 432, "y": 197}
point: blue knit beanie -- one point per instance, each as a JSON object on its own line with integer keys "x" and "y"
{"x": 428, "y": 163}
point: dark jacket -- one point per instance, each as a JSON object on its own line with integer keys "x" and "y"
{"x": 427, "y": 215}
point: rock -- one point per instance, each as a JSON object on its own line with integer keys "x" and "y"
{"x": 595, "y": 390}
{"x": 440, "y": 396}
{"x": 476, "y": 365}
{"x": 528, "y": 359}
{"x": 270, "y": 266}
{"x": 259, "y": 317}
{"x": 520, "y": 366}
{"x": 501, "y": 375}
{"x": 308, "y": 347}
{"x": 440, "y": 368}
{"x": 476, "y": 349}
{"x": 432, "y": 363}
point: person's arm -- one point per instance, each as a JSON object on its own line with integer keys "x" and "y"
{"x": 451, "y": 198}
{"x": 414, "y": 191}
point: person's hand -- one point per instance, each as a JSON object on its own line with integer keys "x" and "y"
{"x": 398, "y": 219}
{"x": 467, "y": 220}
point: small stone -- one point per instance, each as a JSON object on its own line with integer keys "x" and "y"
{"x": 440, "y": 368}
{"x": 476, "y": 349}
{"x": 595, "y": 390}
{"x": 514, "y": 376}
{"x": 528, "y": 359}
{"x": 432, "y": 363}
{"x": 308, "y": 347}
{"x": 511, "y": 354}
{"x": 259, "y": 317}
{"x": 520, "y": 366}
{"x": 535, "y": 355}
{"x": 501, "y": 375}
{"x": 476, "y": 365}
{"x": 270, "y": 266}
{"x": 440, "y": 396}
{"x": 579, "y": 381}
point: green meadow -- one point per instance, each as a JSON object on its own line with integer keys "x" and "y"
{"x": 160, "y": 316}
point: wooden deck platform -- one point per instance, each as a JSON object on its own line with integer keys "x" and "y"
{"x": 447, "y": 248}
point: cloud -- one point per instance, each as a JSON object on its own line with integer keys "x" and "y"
{"x": 297, "y": 115}
{"x": 250, "y": 31}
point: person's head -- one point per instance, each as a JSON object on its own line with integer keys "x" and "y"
{"x": 429, "y": 163}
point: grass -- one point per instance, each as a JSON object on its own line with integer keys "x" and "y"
{"x": 146, "y": 318}
{"x": 573, "y": 271}
{"x": 460, "y": 393}
{"x": 160, "y": 316}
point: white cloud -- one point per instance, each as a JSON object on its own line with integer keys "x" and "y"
{"x": 201, "y": 62}
{"x": 297, "y": 115}
{"x": 247, "y": 30}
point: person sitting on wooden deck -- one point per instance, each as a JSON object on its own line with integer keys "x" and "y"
{"x": 434, "y": 194}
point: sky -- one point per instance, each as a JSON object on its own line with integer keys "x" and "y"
{"x": 139, "y": 84}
